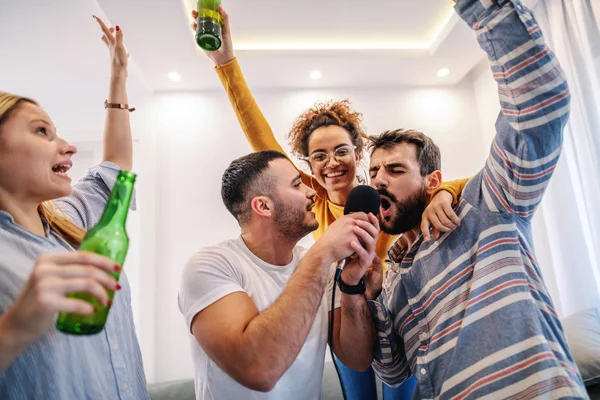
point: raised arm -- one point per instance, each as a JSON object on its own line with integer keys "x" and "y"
{"x": 117, "y": 129}
{"x": 251, "y": 119}
{"x": 534, "y": 97}
{"x": 255, "y": 126}
{"x": 86, "y": 204}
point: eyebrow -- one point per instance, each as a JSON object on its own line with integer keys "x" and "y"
{"x": 296, "y": 178}
{"x": 396, "y": 164}
{"x": 335, "y": 148}
{"x": 41, "y": 120}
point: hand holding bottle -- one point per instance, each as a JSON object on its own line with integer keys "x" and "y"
{"x": 53, "y": 277}
{"x": 225, "y": 53}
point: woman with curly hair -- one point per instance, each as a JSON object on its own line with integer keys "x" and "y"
{"x": 330, "y": 137}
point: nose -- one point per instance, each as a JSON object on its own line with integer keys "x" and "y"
{"x": 332, "y": 161}
{"x": 310, "y": 192}
{"x": 67, "y": 148}
{"x": 379, "y": 181}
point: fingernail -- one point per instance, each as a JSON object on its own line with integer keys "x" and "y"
{"x": 108, "y": 302}
{"x": 95, "y": 310}
{"x": 117, "y": 268}
{"x": 118, "y": 287}
{"x": 93, "y": 16}
{"x": 118, "y": 29}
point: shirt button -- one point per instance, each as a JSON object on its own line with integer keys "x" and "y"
{"x": 423, "y": 371}
{"x": 115, "y": 347}
{"x": 424, "y": 335}
{"x": 124, "y": 386}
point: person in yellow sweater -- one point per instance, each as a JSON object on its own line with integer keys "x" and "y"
{"x": 329, "y": 136}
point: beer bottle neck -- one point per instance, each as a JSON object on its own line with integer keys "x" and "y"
{"x": 119, "y": 201}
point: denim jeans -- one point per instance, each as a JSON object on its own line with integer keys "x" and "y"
{"x": 363, "y": 385}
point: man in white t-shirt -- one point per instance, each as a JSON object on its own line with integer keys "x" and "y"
{"x": 257, "y": 305}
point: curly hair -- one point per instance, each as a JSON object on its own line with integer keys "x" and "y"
{"x": 330, "y": 113}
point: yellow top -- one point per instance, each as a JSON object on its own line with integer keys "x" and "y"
{"x": 261, "y": 137}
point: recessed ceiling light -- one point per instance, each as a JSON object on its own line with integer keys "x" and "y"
{"x": 174, "y": 76}
{"x": 314, "y": 75}
{"x": 442, "y": 73}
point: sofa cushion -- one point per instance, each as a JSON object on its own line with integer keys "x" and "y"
{"x": 173, "y": 390}
{"x": 583, "y": 334}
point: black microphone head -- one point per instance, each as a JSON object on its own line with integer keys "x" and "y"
{"x": 363, "y": 198}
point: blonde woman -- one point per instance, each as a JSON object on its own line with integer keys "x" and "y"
{"x": 42, "y": 222}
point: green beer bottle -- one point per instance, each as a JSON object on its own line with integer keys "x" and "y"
{"x": 208, "y": 32}
{"x": 108, "y": 238}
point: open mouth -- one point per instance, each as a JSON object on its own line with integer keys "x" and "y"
{"x": 386, "y": 206}
{"x": 61, "y": 169}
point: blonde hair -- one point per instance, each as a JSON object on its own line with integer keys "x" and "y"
{"x": 57, "y": 222}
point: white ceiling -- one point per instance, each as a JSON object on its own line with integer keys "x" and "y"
{"x": 55, "y": 46}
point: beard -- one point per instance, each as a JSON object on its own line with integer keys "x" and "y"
{"x": 290, "y": 221}
{"x": 408, "y": 213}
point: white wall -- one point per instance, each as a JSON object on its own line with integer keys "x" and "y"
{"x": 197, "y": 136}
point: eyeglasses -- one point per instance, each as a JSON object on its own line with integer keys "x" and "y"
{"x": 342, "y": 153}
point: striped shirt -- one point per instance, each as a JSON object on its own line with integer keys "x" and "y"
{"x": 469, "y": 314}
{"x": 58, "y": 366}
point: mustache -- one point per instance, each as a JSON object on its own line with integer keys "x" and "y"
{"x": 310, "y": 205}
{"x": 384, "y": 192}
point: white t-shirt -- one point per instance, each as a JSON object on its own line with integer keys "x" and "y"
{"x": 217, "y": 271}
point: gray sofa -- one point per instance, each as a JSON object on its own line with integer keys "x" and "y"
{"x": 581, "y": 329}
{"x": 184, "y": 389}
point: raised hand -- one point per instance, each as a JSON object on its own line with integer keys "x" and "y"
{"x": 113, "y": 38}
{"x": 225, "y": 53}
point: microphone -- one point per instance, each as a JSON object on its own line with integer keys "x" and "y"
{"x": 365, "y": 199}
{"x": 362, "y": 198}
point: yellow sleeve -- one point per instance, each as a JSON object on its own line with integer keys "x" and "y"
{"x": 455, "y": 188}
{"x": 383, "y": 244}
{"x": 253, "y": 122}
{"x": 251, "y": 119}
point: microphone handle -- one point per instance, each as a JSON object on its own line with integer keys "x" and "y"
{"x": 339, "y": 269}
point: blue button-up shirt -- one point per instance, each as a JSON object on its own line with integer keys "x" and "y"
{"x": 59, "y": 366}
{"x": 469, "y": 314}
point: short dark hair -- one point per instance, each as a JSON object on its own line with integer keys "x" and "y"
{"x": 246, "y": 178}
{"x": 428, "y": 153}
